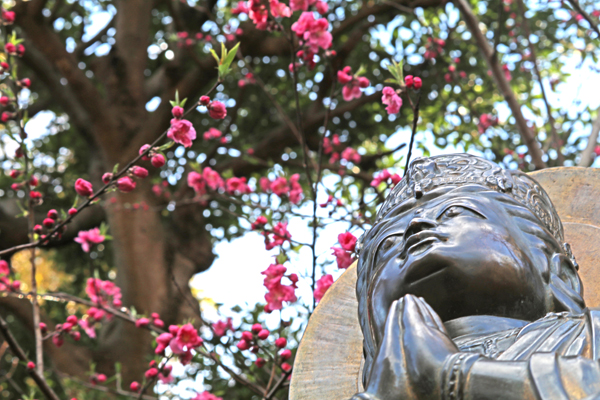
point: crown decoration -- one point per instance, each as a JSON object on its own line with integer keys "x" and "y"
{"x": 425, "y": 174}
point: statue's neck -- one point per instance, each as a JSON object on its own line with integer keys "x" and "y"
{"x": 481, "y": 325}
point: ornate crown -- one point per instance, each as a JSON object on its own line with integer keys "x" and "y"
{"x": 424, "y": 174}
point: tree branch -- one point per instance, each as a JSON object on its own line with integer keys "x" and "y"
{"x": 18, "y": 351}
{"x": 510, "y": 97}
{"x": 586, "y": 156}
{"x": 83, "y": 46}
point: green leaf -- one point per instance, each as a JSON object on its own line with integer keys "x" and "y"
{"x": 215, "y": 56}
{"x": 116, "y": 168}
{"x": 182, "y": 104}
{"x": 231, "y": 56}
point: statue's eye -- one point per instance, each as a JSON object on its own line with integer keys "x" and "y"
{"x": 455, "y": 211}
{"x": 388, "y": 243}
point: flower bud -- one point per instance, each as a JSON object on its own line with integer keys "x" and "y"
{"x": 285, "y": 354}
{"x": 34, "y": 181}
{"x": 72, "y": 211}
{"x": 126, "y": 184}
{"x": 4, "y": 100}
{"x": 25, "y": 82}
{"x": 409, "y": 81}
{"x": 263, "y": 334}
{"x": 205, "y": 100}
{"x": 30, "y": 365}
{"x": 256, "y": 328}
{"x": 139, "y": 172}
{"x": 260, "y": 362}
{"x": 107, "y": 177}
{"x": 143, "y": 149}
{"x": 14, "y": 174}
{"x": 53, "y": 214}
{"x": 151, "y": 373}
{"x": 243, "y": 345}
{"x": 418, "y": 83}
{"x": 158, "y": 160}
{"x": 37, "y": 229}
{"x": 286, "y": 367}
{"x": 281, "y": 342}
{"x": 134, "y": 386}
{"x": 247, "y": 336}
{"x": 48, "y": 222}
{"x": 83, "y": 188}
{"x": 177, "y": 112}
{"x": 76, "y": 336}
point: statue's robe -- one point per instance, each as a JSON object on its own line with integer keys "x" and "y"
{"x": 556, "y": 357}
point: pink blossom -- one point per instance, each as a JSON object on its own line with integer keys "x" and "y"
{"x": 318, "y": 36}
{"x": 486, "y": 121}
{"x": 351, "y": 155}
{"x": 344, "y": 76}
{"x": 221, "y": 327}
{"x": 4, "y": 270}
{"x": 304, "y": 22}
{"x": 88, "y": 327}
{"x": 280, "y": 236}
{"x": 217, "y": 110}
{"x": 260, "y": 222}
{"x": 258, "y": 13}
{"x": 126, "y": 184}
{"x": 186, "y": 339}
{"x": 279, "y": 186}
{"x": 237, "y": 185}
{"x": 277, "y": 294}
{"x": 103, "y": 292}
{"x": 239, "y": 8}
{"x": 322, "y": 7}
{"x": 206, "y": 396}
{"x": 322, "y": 285}
{"x": 212, "y": 178}
{"x": 162, "y": 342}
{"x": 87, "y": 238}
{"x": 196, "y": 182}
{"x": 182, "y": 131}
{"x": 212, "y": 133}
{"x": 392, "y": 100}
{"x": 279, "y": 9}
{"x": 296, "y": 192}
{"x": 347, "y": 241}
{"x": 350, "y": 92}
{"x": 265, "y": 184}
{"x": 344, "y": 258}
{"x": 83, "y": 188}
{"x": 299, "y": 5}
{"x": 273, "y": 275}
{"x": 142, "y": 322}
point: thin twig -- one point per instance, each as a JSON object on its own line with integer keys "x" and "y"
{"x": 560, "y": 157}
{"x": 529, "y": 138}
{"x": 585, "y": 15}
{"x": 18, "y": 351}
{"x": 415, "y": 108}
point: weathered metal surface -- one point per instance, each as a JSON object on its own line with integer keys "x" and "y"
{"x": 328, "y": 361}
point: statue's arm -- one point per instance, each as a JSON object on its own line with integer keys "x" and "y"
{"x": 545, "y": 376}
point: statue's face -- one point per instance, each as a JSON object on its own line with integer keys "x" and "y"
{"x": 464, "y": 254}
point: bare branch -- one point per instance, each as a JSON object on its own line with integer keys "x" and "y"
{"x": 585, "y": 15}
{"x": 510, "y": 97}
{"x": 18, "y": 351}
{"x": 83, "y": 46}
{"x": 586, "y": 156}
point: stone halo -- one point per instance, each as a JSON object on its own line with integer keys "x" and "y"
{"x": 328, "y": 361}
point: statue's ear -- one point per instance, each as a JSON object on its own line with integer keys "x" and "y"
{"x": 565, "y": 284}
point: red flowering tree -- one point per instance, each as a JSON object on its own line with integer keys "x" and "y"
{"x": 164, "y": 132}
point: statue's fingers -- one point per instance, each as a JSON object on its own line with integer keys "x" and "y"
{"x": 432, "y": 315}
{"x": 412, "y": 316}
{"x": 427, "y": 316}
{"x": 393, "y": 328}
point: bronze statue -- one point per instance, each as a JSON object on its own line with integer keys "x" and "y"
{"x": 467, "y": 290}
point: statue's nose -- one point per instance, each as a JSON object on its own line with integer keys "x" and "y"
{"x": 417, "y": 225}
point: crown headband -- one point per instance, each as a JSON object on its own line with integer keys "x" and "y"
{"x": 425, "y": 174}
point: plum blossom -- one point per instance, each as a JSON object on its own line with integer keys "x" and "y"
{"x": 237, "y": 185}
{"x": 87, "y": 238}
{"x": 314, "y": 32}
{"x": 83, "y": 188}
{"x": 217, "y": 110}
{"x": 385, "y": 176}
{"x": 343, "y": 258}
{"x": 392, "y": 100}
{"x": 273, "y": 275}
{"x": 209, "y": 177}
{"x": 347, "y": 241}
{"x": 220, "y": 328}
{"x": 186, "y": 339}
{"x": 278, "y": 293}
{"x": 280, "y": 236}
{"x": 351, "y": 155}
{"x": 258, "y": 13}
{"x": 322, "y": 285}
{"x": 182, "y": 131}
{"x": 212, "y": 133}
{"x": 279, "y": 9}
{"x": 486, "y": 121}
{"x": 206, "y": 396}
{"x": 240, "y": 7}
{"x": 103, "y": 292}
{"x": 88, "y": 327}
{"x": 352, "y": 84}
